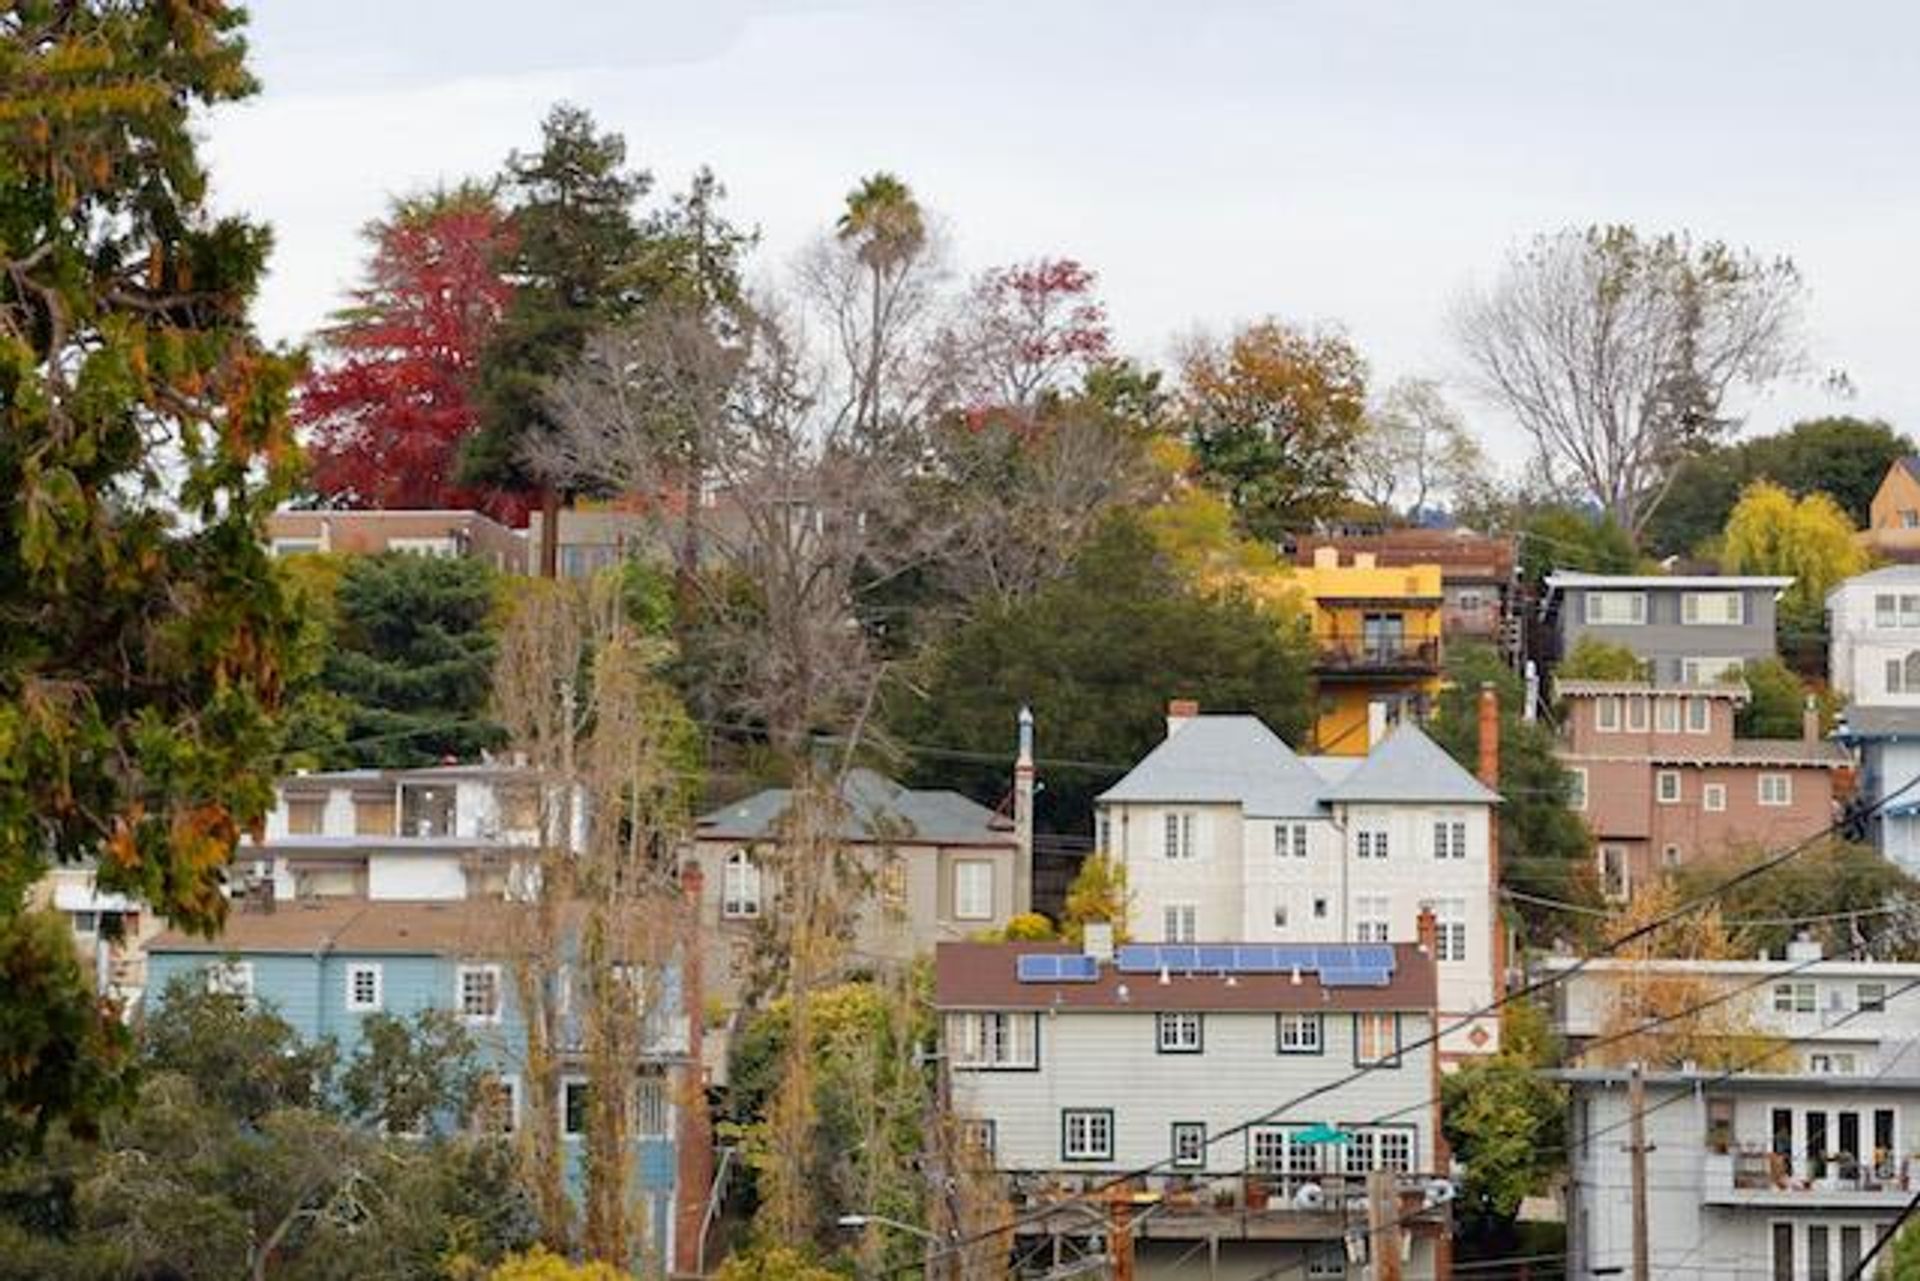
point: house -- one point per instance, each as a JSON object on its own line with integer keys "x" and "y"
{"x": 1480, "y": 592}
{"x": 367, "y": 532}
{"x": 1886, "y": 742}
{"x": 326, "y": 966}
{"x": 1662, "y": 780}
{"x": 1225, "y": 833}
{"x": 942, "y": 868}
{"x": 1072, "y": 1067}
{"x": 1376, "y": 636}
{"x": 110, "y": 930}
{"x": 1687, "y": 629}
{"x": 1760, "y": 1172}
{"x": 1893, "y": 519}
{"x": 1873, "y": 625}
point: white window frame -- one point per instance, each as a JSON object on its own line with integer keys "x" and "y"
{"x": 230, "y": 977}
{"x": 1692, "y": 611}
{"x": 1369, "y": 1028}
{"x": 1796, "y": 997}
{"x": 1577, "y": 800}
{"x": 355, "y": 972}
{"x": 1713, "y": 798}
{"x": 1372, "y": 918}
{"x": 509, "y": 1084}
{"x": 1666, "y": 715}
{"x": 461, "y": 974}
{"x": 993, "y": 1040}
{"x": 1300, "y": 1033}
{"x": 1699, "y": 715}
{"x": 1086, "y": 1134}
{"x": 1909, "y": 610}
{"x": 1180, "y": 923}
{"x": 1190, "y": 1154}
{"x": 1289, "y": 840}
{"x": 741, "y": 885}
{"x": 1636, "y": 713}
{"x": 1606, "y": 714}
{"x": 1782, "y": 792}
{"x": 1326, "y": 1262}
{"x": 1619, "y": 855}
{"x": 973, "y": 889}
{"x": 1449, "y": 838}
{"x": 1178, "y": 1032}
{"x": 652, "y": 1106}
{"x": 1876, "y": 1003}
{"x": 1450, "y": 929}
{"x": 1371, "y": 843}
{"x": 1886, "y": 610}
{"x": 1177, "y": 843}
{"x": 1661, "y": 794}
{"x": 568, "y": 1084}
{"x": 1594, "y": 610}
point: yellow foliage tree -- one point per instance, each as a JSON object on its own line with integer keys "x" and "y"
{"x": 1811, "y": 538}
{"x": 1098, "y": 893}
{"x": 541, "y": 1264}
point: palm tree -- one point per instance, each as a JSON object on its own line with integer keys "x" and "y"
{"x": 884, "y": 224}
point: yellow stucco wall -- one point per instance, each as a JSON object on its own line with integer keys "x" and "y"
{"x": 1342, "y": 596}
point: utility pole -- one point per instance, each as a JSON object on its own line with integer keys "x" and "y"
{"x": 1120, "y": 1233}
{"x": 1637, "y": 1151}
{"x": 1383, "y": 1228}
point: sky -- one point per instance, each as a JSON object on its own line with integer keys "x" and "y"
{"x": 1355, "y": 163}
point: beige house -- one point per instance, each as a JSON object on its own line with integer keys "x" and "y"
{"x": 425, "y": 533}
{"x": 1893, "y": 524}
{"x": 942, "y": 869}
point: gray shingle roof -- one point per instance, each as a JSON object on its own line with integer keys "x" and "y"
{"x": 879, "y": 808}
{"x": 1409, "y": 766}
{"x": 1879, "y": 722}
{"x": 1225, "y": 759}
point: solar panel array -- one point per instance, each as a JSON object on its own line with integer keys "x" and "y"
{"x": 1336, "y": 964}
{"x": 1057, "y": 967}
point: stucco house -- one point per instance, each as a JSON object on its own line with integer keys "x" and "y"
{"x": 1480, "y": 591}
{"x": 1377, "y": 643}
{"x": 368, "y": 532}
{"x": 1687, "y": 629}
{"x": 1893, "y": 519}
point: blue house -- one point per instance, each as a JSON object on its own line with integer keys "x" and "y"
{"x": 1887, "y": 742}
{"x": 326, "y": 965}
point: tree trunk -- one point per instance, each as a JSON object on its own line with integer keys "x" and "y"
{"x": 549, "y": 532}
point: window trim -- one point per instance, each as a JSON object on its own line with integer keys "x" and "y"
{"x": 962, "y": 867}
{"x": 568, "y": 1082}
{"x": 1394, "y": 1060}
{"x": 959, "y": 1064}
{"x": 742, "y": 906}
{"x": 1196, "y": 1162}
{"x": 1577, "y": 799}
{"x": 509, "y": 1083}
{"x": 1785, "y": 779}
{"x": 1705, "y": 718}
{"x": 354, "y": 970}
{"x": 1590, "y": 613}
{"x": 1693, "y": 598}
{"x": 1606, "y": 714}
{"x": 460, "y": 973}
{"x": 1660, "y": 796}
{"x": 1066, "y": 1122}
{"x": 1879, "y": 1003}
{"x": 1449, "y": 839}
{"x": 1165, "y": 1019}
{"x": 1184, "y": 907}
{"x": 1708, "y": 793}
{"x": 230, "y": 976}
{"x": 1307, "y": 1018}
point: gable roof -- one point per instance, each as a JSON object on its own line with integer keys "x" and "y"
{"x": 453, "y": 927}
{"x": 1409, "y": 766}
{"x": 879, "y": 809}
{"x": 1224, "y": 760}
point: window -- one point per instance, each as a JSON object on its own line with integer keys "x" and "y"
{"x": 652, "y": 1113}
{"x": 1326, "y": 1262}
{"x": 1666, "y": 787}
{"x": 1371, "y": 842}
{"x": 1274, "y": 1151}
{"x": 1783, "y": 1252}
{"x": 373, "y": 816}
{"x": 1450, "y": 929}
{"x": 1884, "y": 611}
{"x": 84, "y": 922}
{"x": 1177, "y": 1033}
{"x": 1319, "y": 908}
{"x": 1667, "y": 716}
{"x": 1577, "y": 792}
{"x": 1871, "y": 996}
{"x": 1817, "y": 1262}
{"x": 479, "y": 993}
{"x": 1831, "y": 1064}
{"x": 1637, "y": 713}
{"x": 1713, "y": 797}
{"x": 426, "y": 810}
{"x": 1280, "y": 914}
{"x": 1189, "y": 1145}
{"x": 1289, "y": 840}
{"x": 1103, "y": 833}
{"x": 740, "y": 887}
{"x": 1606, "y": 714}
{"x": 1793, "y": 998}
{"x": 1616, "y": 609}
{"x": 1670, "y": 856}
{"x": 496, "y": 1104}
{"x": 1909, "y": 518}
{"x": 295, "y": 546}
{"x": 306, "y": 815}
{"x": 973, "y": 890}
{"x": 1371, "y": 917}
{"x": 1615, "y": 880}
{"x": 1180, "y": 923}
{"x": 1776, "y": 789}
{"x": 994, "y": 1041}
{"x": 1179, "y": 836}
{"x": 1713, "y": 609}
{"x": 230, "y": 978}
{"x": 1301, "y": 1034}
{"x": 893, "y": 882}
{"x": 573, "y": 1107}
{"x": 519, "y": 808}
{"x": 1909, "y": 610}
{"x": 979, "y": 1136}
{"x": 1386, "y": 1148}
{"x": 1376, "y": 1040}
{"x": 1699, "y": 715}
{"x": 1450, "y": 838}
{"x": 1086, "y": 1134}
{"x": 363, "y": 987}
{"x": 1469, "y": 601}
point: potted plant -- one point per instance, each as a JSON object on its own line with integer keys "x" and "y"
{"x": 1257, "y": 1193}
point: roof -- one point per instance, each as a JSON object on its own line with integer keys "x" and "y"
{"x": 1720, "y": 1081}
{"x": 1409, "y": 766}
{"x": 1886, "y": 575}
{"x": 1788, "y": 751}
{"x": 394, "y": 927}
{"x": 357, "y": 844}
{"x": 1463, "y": 556}
{"x": 1562, "y": 579}
{"x": 412, "y": 774}
{"x": 984, "y": 976}
{"x": 1225, "y": 760}
{"x": 878, "y": 809}
{"x": 1858, "y": 723}
{"x": 1575, "y": 687}
{"x": 1829, "y": 967}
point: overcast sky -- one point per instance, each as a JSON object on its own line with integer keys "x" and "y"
{"x": 1352, "y": 162}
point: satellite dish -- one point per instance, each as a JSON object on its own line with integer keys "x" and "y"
{"x": 1311, "y": 1196}
{"x": 1440, "y": 1191}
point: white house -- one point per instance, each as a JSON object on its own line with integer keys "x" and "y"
{"x": 1226, "y": 834}
{"x": 1873, "y": 620}
{"x": 1071, "y": 1067}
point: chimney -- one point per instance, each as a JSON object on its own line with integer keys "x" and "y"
{"x": 1804, "y": 947}
{"x": 1489, "y": 736}
{"x": 1376, "y": 723}
{"x": 1096, "y": 940}
{"x": 1363, "y": 560}
{"x": 1326, "y": 558}
{"x": 1179, "y": 712}
{"x": 693, "y": 1144}
{"x": 1023, "y": 816}
{"x": 1427, "y": 929}
{"x": 1810, "y": 721}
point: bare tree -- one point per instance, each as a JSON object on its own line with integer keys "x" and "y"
{"x": 1024, "y": 331}
{"x": 1615, "y": 352}
{"x": 1415, "y": 449}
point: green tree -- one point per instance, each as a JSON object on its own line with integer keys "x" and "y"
{"x": 411, "y": 661}
{"x": 143, "y": 436}
{"x": 1562, "y": 538}
{"x": 1096, "y": 654}
{"x": 1098, "y": 893}
{"x": 1545, "y": 848}
{"x": 407, "y": 1074}
{"x": 1592, "y": 659}
{"x": 1900, "y": 1261}
{"x": 1831, "y": 880}
{"x": 1777, "y": 708}
{"x": 1275, "y": 415}
{"x": 239, "y": 1056}
{"x": 1505, "y": 1121}
{"x": 1811, "y": 539}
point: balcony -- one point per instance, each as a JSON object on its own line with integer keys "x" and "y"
{"x": 1360, "y": 656}
{"x": 1753, "y": 1176}
{"x": 1249, "y": 1207}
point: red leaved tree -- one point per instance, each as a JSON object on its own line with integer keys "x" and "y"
{"x": 388, "y": 405}
{"x": 1026, "y": 330}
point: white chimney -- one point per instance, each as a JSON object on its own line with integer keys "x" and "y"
{"x": 1179, "y": 712}
{"x": 1804, "y": 947}
{"x": 1096, "y": 940}
{"x": 1023, "y": 816}
{"x": 1376, "y": 724}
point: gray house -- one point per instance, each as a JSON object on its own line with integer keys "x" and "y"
{"x": 1692, "y": 630}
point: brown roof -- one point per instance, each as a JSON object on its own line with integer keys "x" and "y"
{"x": 983, "y": 976}
{"x": 452, "y": 927}
{"x": 1462, "y": 557}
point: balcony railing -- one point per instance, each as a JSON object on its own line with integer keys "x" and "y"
{"x": 1253, "y": 1206}
{"x": 1752, "y": 1175}
{"x": 1376, "y": 655}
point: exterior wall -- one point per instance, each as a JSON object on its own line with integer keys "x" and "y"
{"x": 1663, "y": 640}
{"x": 366, "y": 533}
{"x": 1109, "y": 1060}
{"x": 118, "y": 966}
{"x": 415, "y": 876}
{"x": 1896, "y": 504}
{"x": 1473, "y": 609}
{"x": 1861, "y": 648}
{"x": 1638, "y": 720}
{"x": 1889, "y": 768}
{"x": 1342, "y": 596}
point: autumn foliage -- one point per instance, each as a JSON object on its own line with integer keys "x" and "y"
{"x": 388, "y": 408}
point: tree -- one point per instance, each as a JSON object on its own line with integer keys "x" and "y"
{"x": 1098, "y": 893}
{"x": 1592, "y": 659}
{"x": 1274, "y": 415}
{"x": 1810, "y": 539}
{"x": 574, "y": 241}
{"x": 1506, "y": 1122}
{"x": 1777, "y": 704}
{"x": 1562, "y": 538}
{"x": 143, "y": 436}
{"x": 389, "y": 410}
{"x": 1615, "y": 352}
{"x": 407, "y": 1074}
{"x": 239, "y": 1056}
{"x": 541, "y": 1264}
{"x": 1847, "y": 894}
{"x": 1027, "y": 330}
{"x": 1096, "y": 654}
{"x": 1900, "y": 1261}
{"x": 1415, "y": 448}
{"x": 412, "y": 660}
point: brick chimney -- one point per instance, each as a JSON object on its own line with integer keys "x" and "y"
{"x": 693, "y": 1144}
{"x": 1179, "y": 712}
{"x": 1489, "y": 736}
{"x": 1023, "y": 816}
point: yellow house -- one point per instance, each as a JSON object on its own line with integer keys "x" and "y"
{"x": 1893, "y": 530}
{"x": 1377, "y": 634}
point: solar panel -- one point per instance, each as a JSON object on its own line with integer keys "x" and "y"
{"x": 1056, "y": 967}
{"x": 1294, "y": 956}
{"x": 1217, "y": 958}
{"x": 1255, "y": 959}
{"x": 1377, "y": 955}
{"x": 1137, "y": 958}
{"x": 1355, "y": 976}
